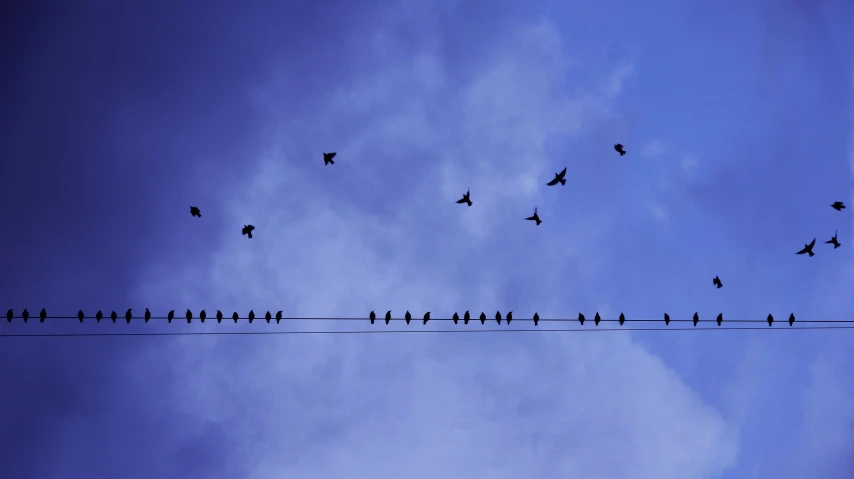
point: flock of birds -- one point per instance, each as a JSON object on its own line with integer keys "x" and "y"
{"x": 838, "y": 206}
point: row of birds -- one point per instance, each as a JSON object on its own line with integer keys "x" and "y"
{"x": 25, "y": 315}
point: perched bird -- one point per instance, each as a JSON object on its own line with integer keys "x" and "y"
{"x": 268, "y": 316}
{"x": 498, "y": 317}
{"x": 666, "y": 319}
{"x": 113, "y": 316}
{"x": 195, "y": 212}
{"x": 98, "y": 316}
{"x": 218, "y": 316}
{"x": 717, "y": 282}
{"x": 426, "y": 317}
{"x": 251, "y": 315}
{"x": 696, "y": 318}
{"x": 791, "y": 319}
{"x": 9, "y": 315}
{"x": 387, "y": 317}
{"x": 596, "y": 319}
{"x": 808, "y": 248}
{"x": 189, "y": 316}
{"x": 720, "y": 318}
{"x": 834, "y": 241}
{"x": 327, "y": 158}
{"x": 838, "y": 205}
{"x": 559, "y": 178}
{"x": 466, "y": 199}
{"x": 170, "y": 316}
{"x": 407, "y": 317}
{"x": 80, "y": 315}
{"x": 536, "y": 319}
{"x": 247, "y": 230}
{"x": 203, "y": 315}
{"x": 466, "y": 318}
{"x": 235, "y": 317}
{"x": 509, "y": 317}
{"x": 147, "y": 315}
{"x": 581, "y": 319}
{"x": 536, "y": 217}
{"x": 482, "y": 317}
{"x": 128, "y": 315}
{"x": 456, "y": 318}
{"x": 25, "y": 315}
{"x": 770, "y": 320}
{"x": 42, "y": 315}
{"x": 622, "y": 319}
{"x": 373, "y": 317}
{"x": 619, "y": 148}
{"x": 279, "y": 317}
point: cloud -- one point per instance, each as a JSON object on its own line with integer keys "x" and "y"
{"x": 380, "y": 230}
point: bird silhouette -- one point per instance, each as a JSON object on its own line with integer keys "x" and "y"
{"x": 770, "y": 320}
{"x": 536, "y": 217}
{"x": 456, "y": 318}
{"x": 42, "y": 315}
{"x": 720, "y": 318}
{"x": 696, "y": 318}
{"x": 559, "y": 178}
{"x": 80, "y": 315}
{"x": 98, "y": 316}
{"x": 596, "y": 319}
{"x": 482, "y": 317}
{"x": 195, "y": 212}
{"x": 203, "y": 315}
{"x": 113, "y": 316}
{"x": 170, "y": 316}
{"x": 387, "y": 317}
{"x": 666, "y": 319}
{"x": 498, "y": 317}
{"x": 147, "y": 315}
{"x": 581, "y": 319}
{"x": 9, "y": 315}
{"x": 278, "y": 316}
{"x": 268, "y": 316}
{"x": 218, "y": 316}
{"x": 251, "y": 315}
{"x": 25, "y": 315}
{"x": 619, "y": 148}
{"x": 536, "y": 319}
{"x": 247, "y": 230}
{"x": 838, "y": 205}
{"x": 717, "y": 282}
{"x": 808, "y": 248}
{"x": 128, "y": 315}
{"x": 373, "y": 317}
{"x": 327, "y": 158}
{"x": 791, "y": 319}
{"x": 189, "y": 316}
{"x": 426, "y": 317}
{"x": 466, "y": 199}
{"x": 834, "y": 241}
{"x": 509, "y": 317}
{"x": 466, "y": 318}
{"x": 407, "y": 317}
{"x": 235, "y": 317}
{"x": 622, "y": 319}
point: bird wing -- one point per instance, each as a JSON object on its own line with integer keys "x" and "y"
{"x": 461, "y": 201}
{"x": 811, "y": 244}
{"x": 803, "y": 251}
{"x": 554, "y": 181}
{"x": 562, "y": 173}
{"x": 531, "y": 218}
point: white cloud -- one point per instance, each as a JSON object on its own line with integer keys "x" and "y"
{"x": 653, "y": 149}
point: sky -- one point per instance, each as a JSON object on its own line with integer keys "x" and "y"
{"x": 737, "y": 119}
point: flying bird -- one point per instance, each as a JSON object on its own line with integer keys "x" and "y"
{"x": 235, "y": 317}
{"x": 622, "y": 319}
{"x": 536, "y": 217}
{"x": 791, "y": 319}
{"x": 42, "y": 315}
{"x": 279, "y": 317}
{"x": 482, "y": 317}
{"x": 770, "y": 320}
{"x": 509, "y": 317}
{"x": 466, "y": 199}
{"x": 373, "y": 317}
{"x": 147, "y": 315}
{"x": 387, "y": 317}
{"x": 666, "y": 319}
{"x": 581, "y": 319}
{"x": 195, "y": 212}
{"x": 113, "y": 316}
{"x": 98, "y": 316}
{"x": 251, "y": 315}
{"x": 466, "y": 318}
{"x": 268, "y": 316}
{"x": 218, "y": 316}
{"x": 80, "y": 315}
{"x": 203, "y": 315}
{"x": 407, "y": 317}
{"x": 327, "y": 158}
{"x": 834, "y": 241}
{"x": 619, "y": 148}
{"x": 536, "y": 319}
{"x": 808, "y": 248}
{"x": 128, "y": 315}
{"x": 25, "y": 314}
{"x": 596, "y": 319}
{"x": 247, "y": 230}
{"x": 838, "y": 205}
{"x": 426, "y": 317}
{"x": 720, "y": 318}
{"x": 498, "y": 317}
{"x": 456, "y": 318}
{"x": 9, "y": 315}
{"x": 696, "y": 318}
{"x": 170, "y": 316}
{"x": 559, "y": 178}
{"x": 717, "y": 282}
{"x": 189, "y": 316}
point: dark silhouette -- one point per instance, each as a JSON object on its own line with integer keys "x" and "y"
{"x": 536, "y": 217}
{"x": 619, "y": 148}
{"x": 717, "y": 282}
{"x": 482, "y": 317}
{"x": 498, "y": 317}
{"x": 466, "y": 318}
{"x": 808, "y": 248}
{"x": 327, "y": 158}
{"x": 113, "y": 316}
{"x": 203, "y": 315}
{"x": 407, "y": 317}
{"x": 559, "y": 178}
{"x": 581, "y": 319}
{"x": 834, "y": 241}
{"x": 247, "y": 230}
{"x": 372, "y": 317}
{"x": 9, "y": 315}
{"x": 720, "y": 318}
{"x": 98, "y": 316}
{"x": 147, "y": 315}
{"x": 251, "y": 315}
{"x": 666, "y": 319}
{"x": 426, "y": 317}
{"x": 195, "y": 212}
{"x": 170, "y": 316}
{"x": 791, "y": 319}
{"x": 536, "y": 319}
{"x": 25, "y": 315}
{"x": 456, "y": 318}
{"x": 466, "y": 198}
{"x": 596, "y": 319}
{"x": 218, "y": 316}
{"x": 838, "y": 205}
{"x": 387, "y": 317}
{"x": 189, "y": 316}
{"x": 128, "y": 315}
{"x": 770, "y": 320}
{"x": 268, "y": 316}
{"x": 279, "y": 317}
{"x": 235, "y": 317}
{"x": 80, "y": 315}
{"x": 509, "y": 317}
{"x": 696, "y": 319}
{"x": 42, "y": 315}
{"x": 622, "y": 319}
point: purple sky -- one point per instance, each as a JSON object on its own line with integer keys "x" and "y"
{"x": 116, "y": 117}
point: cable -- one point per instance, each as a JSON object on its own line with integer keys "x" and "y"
{"x": 280, "y": 333}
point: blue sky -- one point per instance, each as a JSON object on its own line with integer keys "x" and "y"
{"x": 737, "y": 119}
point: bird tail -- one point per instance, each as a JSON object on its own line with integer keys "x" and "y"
{"x": 811, "y": 253}
{"x": 563, "y": 181}
{"x": 250, "y": 234}
{"x": 622, "y": 153}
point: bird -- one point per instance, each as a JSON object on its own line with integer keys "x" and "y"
{"x": 279, "y": 317}
{"x": 536, "y": 217}
{"x": 407, "y": 317}
{"x": 189, "y": 316}
{"x": 218, "y": 316}
{"x": 536, "y": 319}
{"x": 113, "y": 316}
{"x": 619, "y": 148}
{"x": 696, "y": 318}
{"x": 327, "y": 158}
{"x": 622, "y": 319}
{"x": 9, "y": 315}
{"x": 147, "y": 315}
{"x": 666, "y": 319}
{"x": 720, "y": 318}
{"x": 466, "y": 318}
{"x": 387, "y": 317}
{"x": 373, "y": 317}
{"x": 456, "y": 318}
{"x": 498, "y": 317}
{"x": 466, "y": 199}
{"x": 834, "y": 241}
{"x": 203, "y": 315}
{"x": 791, "y": 319}
{"x": 247, "y": 230}
{"x": 42, "y": 315}
{"x": 770, "y": 320}
{"x": 596, "y": 319}
{"x": 195, "y": 212}
{"x": 235, "y": 317}
{"x": 25, "y": 314}
{"x": 426, "y": 317}
{"x": 509, "y": 317}
{"x": 717, "y": 282}
{"x": 581, "y": 319}
{"x": 268, "y": 316}
{"x": 98, "y": 316}
{"x": 170, "y": 316}
{"x": 808, "y": 248}
{"x": 80, "y": 315}
{"x": 251, "y": 315}
{"x": 838, "y": 205}
{"x": 559, "y": 178}
{"x": 128, "y": 315}
{"x": 482, "y": 317}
